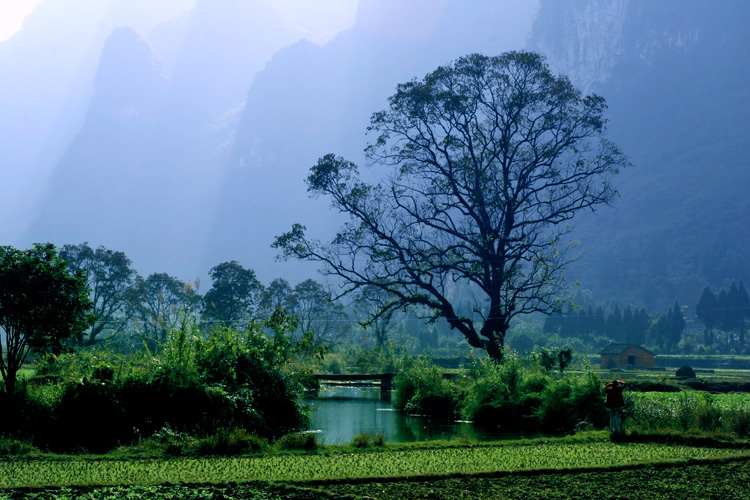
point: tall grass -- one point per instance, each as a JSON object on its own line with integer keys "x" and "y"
{"x": 689, "y": 411}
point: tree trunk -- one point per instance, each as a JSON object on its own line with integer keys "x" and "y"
{"x": 10, "y": 381}
{"x": 494, "y": 329}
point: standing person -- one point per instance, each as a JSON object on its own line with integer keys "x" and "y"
{"x": 615, "y": 403}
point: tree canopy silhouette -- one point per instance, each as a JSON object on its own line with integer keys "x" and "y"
{"x": 488, "y": 160}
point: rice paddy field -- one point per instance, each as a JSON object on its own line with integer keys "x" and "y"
{"x": 540, "y": 469}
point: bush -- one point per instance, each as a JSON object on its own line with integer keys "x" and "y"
{"x": 194, "y": 387}
{"x": 685, "y": 371}
{"x": 422, "y": 390}
{"x": 365, "y": 440}
{"x": 305, "y": 441}
{"x": 567, "y": 402}
{"x": 507, "y": 396}
{"x": 231, "y": 442}
{"x": 16, "y": 447}
{"x": 496, "y": 396}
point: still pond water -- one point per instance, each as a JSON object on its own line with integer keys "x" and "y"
{"x": 340, "y": 413}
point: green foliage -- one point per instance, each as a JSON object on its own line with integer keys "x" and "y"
{"x": 685, "y": 371}
{"x": 228, "y": 442}
{"x": 365, "y": 440}
{"x": 689, "y": 411}
{"x": 234, "y": 295}
{"x": 566, "y": 402}
{"x": 508, "y": 396}
{"x": 109, "y": 278}
{"x": 408, "y": 462}
{"x": 42, "y": 305}
{"x": 304, "y": 441}
{"x": 421, "y": 389}
{"x": 192, "y": 386}
{"x": 15, "y": 447}
{"x": 448, "y": 215}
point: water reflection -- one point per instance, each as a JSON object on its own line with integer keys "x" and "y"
{"x": 340, "y": 413}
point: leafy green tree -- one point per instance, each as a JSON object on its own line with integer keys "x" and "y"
{"x": 641, "y": 322}
{"x": 489, "y": 159}
{"x": 157, "y": 301}
{"x": 318, "y": 313}
{"x": 628, "y": 324}
{"x": 743, "y": 311}
{"x": 659, "y": 330}
{"x": 42, "y": 304}
{"x": 278, "y": 293}
{"x": 723, "y": 320}
{"x": 109, "y": 277}
{"x": 599, "y": 323}
{"x": 706, "y": 311}
{"x": 735, "y": 311}
{"x": 234, "y": 295}
{"x": 369, "y": 305}
{"x": 676, "y": 325}
{"x": 614, "y": 324}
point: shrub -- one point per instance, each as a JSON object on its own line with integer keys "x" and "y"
{"x": 231, "y": 442}
{"x": 422, "y": 390}
{"x": 570, "y": 400}
{"x": 494, "y": 397}
{"x": 333, "y": 364}
{"x": 685, "y": 371}
{"x": 365, "y": 440}
{"x": 304, "y": 441}
{"x": 16, "y": 447}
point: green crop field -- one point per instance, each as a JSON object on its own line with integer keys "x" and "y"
{"x": 331, "y": 466}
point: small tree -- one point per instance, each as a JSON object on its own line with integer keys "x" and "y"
{"x": 367, "y": 305}
{"x": 234, "y": 295}
{"x": 42, "y": 305}
{"x": 157, "y": 301}
{"x": 109, "y": 277}
{"x": 706, "y": 311}
{"x": 278, "y": 293}
{"x": 489, "y": 158}
{"x": 318, "y": 313}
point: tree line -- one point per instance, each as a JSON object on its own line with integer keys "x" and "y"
{"x": 726, "y": 311}
{"x": 629, "y": 326}
{"x": 723, "y": 314}
{"x": 123, "y": 302}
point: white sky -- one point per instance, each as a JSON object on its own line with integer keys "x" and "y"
{"x": 12, "y": 13}
{"x": 322, "y": 17}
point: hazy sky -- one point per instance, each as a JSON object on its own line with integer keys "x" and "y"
{"x": 12, "y": 13}
{"x": 324, "y": 18}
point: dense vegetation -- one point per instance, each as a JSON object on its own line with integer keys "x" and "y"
{"x": 195, "y": 385}
{"x": 531, "y": 396}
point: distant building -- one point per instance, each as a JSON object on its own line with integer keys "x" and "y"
{"x": 626, "y": 356}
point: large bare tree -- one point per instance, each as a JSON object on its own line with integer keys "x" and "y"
{"x": 488, "y": 160}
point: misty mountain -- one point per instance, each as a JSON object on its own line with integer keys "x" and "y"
{"x": 154, "y": 135}
{"x": 46, "y": 82}
{"x": 312, "y": 100}
{"x": 183, "y": 139}
{"x": 674, "y": 75}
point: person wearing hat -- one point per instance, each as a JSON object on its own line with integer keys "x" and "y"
{"x": 615, "y": 403}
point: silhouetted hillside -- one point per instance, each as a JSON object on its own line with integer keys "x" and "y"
{"x": 674, "y": 74}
